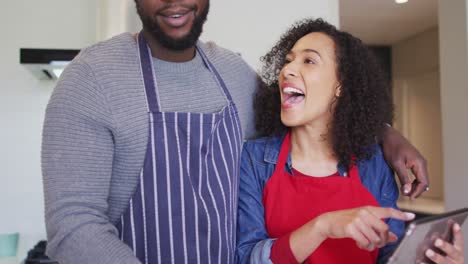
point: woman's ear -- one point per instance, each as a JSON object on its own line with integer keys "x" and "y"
{"x": 338, "y": 90}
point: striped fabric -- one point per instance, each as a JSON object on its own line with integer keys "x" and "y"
{"x": 184, "y": 208}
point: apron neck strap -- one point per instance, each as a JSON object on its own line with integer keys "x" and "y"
{"x": 146, "y": 67}
{"x": 212, "y": 69}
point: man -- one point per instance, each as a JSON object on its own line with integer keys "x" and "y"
{"x": 141, "y": 145}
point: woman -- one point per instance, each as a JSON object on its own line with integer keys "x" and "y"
{"x": 315, "y": 190}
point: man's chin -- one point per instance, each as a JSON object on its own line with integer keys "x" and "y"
{"x": 173, "y": 38}
{"x": 179, "y": 41}
{"x": 178, "y": 38}
{"x": 177, "y": 44}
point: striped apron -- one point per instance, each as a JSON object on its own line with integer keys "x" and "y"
{"x": 184, "y": 207}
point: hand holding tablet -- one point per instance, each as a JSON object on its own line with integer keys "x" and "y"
{"x": 430, "y": 239}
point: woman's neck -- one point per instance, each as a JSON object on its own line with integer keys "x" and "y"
{"x": 312, "y": 151}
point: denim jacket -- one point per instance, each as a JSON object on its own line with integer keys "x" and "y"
{"x": 257, "y": 165}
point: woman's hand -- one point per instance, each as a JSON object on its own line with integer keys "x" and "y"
{"x": 401, "y": 156}
{"x": 363, "y": 224}
{"x": 454, "y": 252}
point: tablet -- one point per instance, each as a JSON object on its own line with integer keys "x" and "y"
{"x": 420, "y": 235}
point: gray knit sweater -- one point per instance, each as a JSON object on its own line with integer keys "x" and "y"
{"x": 95, "y": 136}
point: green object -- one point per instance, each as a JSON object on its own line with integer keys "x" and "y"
{"x": 8, "y": 244}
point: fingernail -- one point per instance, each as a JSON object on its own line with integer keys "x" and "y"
{"x": 438, "y": 243}
{"x": 410, "y": 216}
{"x": 456, "y": 227}
{"x": 430, "y": 253}
{"x": 407, "y": 188}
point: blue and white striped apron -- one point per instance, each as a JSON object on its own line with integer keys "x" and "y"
{"x": 184, "y": 208}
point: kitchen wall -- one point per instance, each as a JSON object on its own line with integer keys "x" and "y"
{"x": 245, "y": 26}
{"x": 416, "y": 90}
{"x": 438, "y": 69}
{"x": 252, "y": 27}
{"x": 453, "y": 42}
{"x": 23, "y": 98}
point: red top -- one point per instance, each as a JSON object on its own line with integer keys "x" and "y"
{"x": 291, "y": 201}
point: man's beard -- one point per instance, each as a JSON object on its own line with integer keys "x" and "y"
{"x": 151, "y": 24}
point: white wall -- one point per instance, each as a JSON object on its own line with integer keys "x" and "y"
{"x": 23, "y": 98}
{"x": 253, "y": 27}
{"x": 116, "y": 16}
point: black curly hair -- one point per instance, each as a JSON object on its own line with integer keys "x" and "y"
{"x": 361, "y": 110}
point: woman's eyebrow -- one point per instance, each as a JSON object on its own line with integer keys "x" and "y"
{"x": 311, "y": 50}
{"x": 305, "y": 51}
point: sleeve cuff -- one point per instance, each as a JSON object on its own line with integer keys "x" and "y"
{"x": 281, "y": 251}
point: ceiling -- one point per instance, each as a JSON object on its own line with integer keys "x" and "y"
{"x": 383, "y": 22}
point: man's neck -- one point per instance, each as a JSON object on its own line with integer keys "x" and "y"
{"x": 160, "y": 52}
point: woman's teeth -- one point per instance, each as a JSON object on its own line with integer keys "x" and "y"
{"x": 292, "y": 91}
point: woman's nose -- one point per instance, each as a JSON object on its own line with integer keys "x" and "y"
{"x": 289, "y": 71}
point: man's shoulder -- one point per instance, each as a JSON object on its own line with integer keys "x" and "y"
{"x": 223, "y": 56}
{"x": 102, "y": 66}
{"x": 117, "y": 48}
{"x": 213, "y": 49}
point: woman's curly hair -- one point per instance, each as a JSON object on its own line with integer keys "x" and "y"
{"x": 361, "y": 110}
